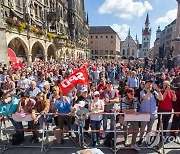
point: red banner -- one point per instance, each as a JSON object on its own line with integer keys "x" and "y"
{"x": 78, "y": 77}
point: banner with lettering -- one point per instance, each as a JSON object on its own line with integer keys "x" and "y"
{"x": 78, "y": 77}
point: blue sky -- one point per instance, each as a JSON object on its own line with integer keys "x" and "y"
{"x": 122, "y": 14}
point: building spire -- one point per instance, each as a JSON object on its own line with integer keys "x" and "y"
{"x": 147, "y": 19}
{"x": 129, "y": 32}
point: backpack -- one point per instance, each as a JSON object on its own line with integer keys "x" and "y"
{"x": 109, "y": 140}
{"x": 157, "y": 102}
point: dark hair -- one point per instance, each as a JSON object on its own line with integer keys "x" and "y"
{"x": 25, "y": 94}
{"x": 130, "y": 90}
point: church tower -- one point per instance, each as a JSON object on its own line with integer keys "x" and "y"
{"x": 146, "y": 39}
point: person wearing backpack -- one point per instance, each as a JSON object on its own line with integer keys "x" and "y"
{"x": 149, "y": 96}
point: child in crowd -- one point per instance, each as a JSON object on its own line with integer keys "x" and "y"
{"x": 81, "y": 114}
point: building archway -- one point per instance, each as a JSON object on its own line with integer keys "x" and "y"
{"x": 19, "y": 47}
{"x": 51, "y": 52}
{"x": 38, "y": 51}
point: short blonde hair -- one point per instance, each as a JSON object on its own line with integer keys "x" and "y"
{"x": 47, "y": 87}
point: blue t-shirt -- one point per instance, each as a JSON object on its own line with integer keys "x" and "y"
{"x": 149, "y": 105}
{"x": 63, "y": 106}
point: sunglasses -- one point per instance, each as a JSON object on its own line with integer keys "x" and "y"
{"x": 96, "y": 96}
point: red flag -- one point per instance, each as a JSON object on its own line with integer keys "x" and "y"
{"x": 78, "y": 77}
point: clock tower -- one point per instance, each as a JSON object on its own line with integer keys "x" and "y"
{"x": 146, "y": 39}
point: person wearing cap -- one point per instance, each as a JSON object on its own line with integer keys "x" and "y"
{"x": 96, "y": 108}
{"x": 149, "y": 96}
{"x": 81, "y": 114}
{"x": 110, "y": 96}
{"x": 84, "y": 97}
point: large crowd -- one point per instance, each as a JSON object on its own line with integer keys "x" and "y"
{"x": 31, "y": 94}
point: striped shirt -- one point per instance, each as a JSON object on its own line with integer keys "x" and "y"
{"x": 125, "y": 104}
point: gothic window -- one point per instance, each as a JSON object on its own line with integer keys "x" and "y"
{"x": 111, "y": 52}
{"x": 101, "y": 36}
{"x": 124, "y": 52}
{"x": 111, "y": 37}
{"x": 128, "y": 51}
{"x": 40, "y": 12}
{"x": 36, "y": 9}
{"x": 96, "y": 37}
{"x": 91, "y": 37}
{"x": 106, "y": 52}
{"x": 106, "y": 36}
{"x": 132, "y": 52}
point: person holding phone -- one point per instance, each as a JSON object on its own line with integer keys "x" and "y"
{"x": 166, "y": 104}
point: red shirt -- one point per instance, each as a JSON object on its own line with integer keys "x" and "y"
{"x": 101, "y": 87}
{"x": 166, "y": 104}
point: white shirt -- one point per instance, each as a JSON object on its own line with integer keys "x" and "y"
{"x": 96, "y": 106}
{"x": 23, "y": 84}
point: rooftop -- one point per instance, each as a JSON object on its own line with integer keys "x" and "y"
{"x": 101, "y": 30}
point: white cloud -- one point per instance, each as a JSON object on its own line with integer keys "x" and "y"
{"x": 169, "y": 17}
{"x": 121, "y": 30}
{"x": 126, "y": 9}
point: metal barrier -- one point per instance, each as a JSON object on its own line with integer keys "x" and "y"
{"x": 45, "y": 148}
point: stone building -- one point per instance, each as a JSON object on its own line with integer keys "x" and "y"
{"x": 104, "y": 42}
{"x": 44, "y": 29}
{"x": 130, "y": 47}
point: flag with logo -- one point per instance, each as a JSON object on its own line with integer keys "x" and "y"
{"x": 78, "y": 77}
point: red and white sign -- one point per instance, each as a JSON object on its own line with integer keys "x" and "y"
{"x": 78, "y": 77}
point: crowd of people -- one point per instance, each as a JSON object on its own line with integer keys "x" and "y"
{"x": 32, "y": 94}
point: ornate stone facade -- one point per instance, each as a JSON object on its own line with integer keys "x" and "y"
{"x": 45, "y": 29}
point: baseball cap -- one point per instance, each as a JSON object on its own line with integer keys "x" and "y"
{"x": 84, "y": 89}
{"x": 96, "y": 93}
{"x": 81, "y": 103}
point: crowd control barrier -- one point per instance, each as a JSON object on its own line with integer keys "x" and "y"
{"x": 44, "y": 147}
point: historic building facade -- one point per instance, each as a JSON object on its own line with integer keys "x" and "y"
{"x": 167, "y": 43}
{"x": 130, "y": 47}
{"x": 104, "y": 42}
{"x": 146, "y": 39}
{"x": 44, "y": 29}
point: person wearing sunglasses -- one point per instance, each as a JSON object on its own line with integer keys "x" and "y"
{"x": 96, "y": 108}
{"x": 129, "y": 106}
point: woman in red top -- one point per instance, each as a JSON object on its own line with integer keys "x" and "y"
{"x": 166, "y": 104}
